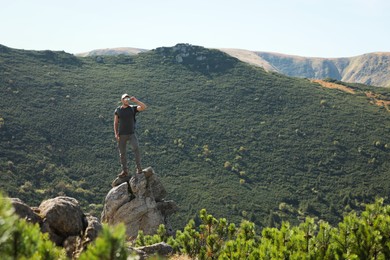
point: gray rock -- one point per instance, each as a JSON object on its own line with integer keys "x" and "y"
{"x": 154, "y": 185}
{"x": 142, "y": 207}
{"x": 160, "y": 249}
{"x": 72, "y": 246}
{"x": 139, "y": 214}
{"x": 25, "y": 212}
{"x": 65, "y": 222}
{"x": 92, "y": 230}
{"x": 138, "y": 186}
{"x": 81, "y": 243}
{"x": 116, "y": 197}
{"x": 62, "y": 217}
{"x": 119, "y": 180}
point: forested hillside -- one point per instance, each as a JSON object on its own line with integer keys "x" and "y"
{"x": 221, "y": 134}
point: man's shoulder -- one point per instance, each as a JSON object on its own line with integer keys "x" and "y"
{"x": 117, "y": 109}
{"x": 128, "y": 109}
{"x": 134, "y": 108}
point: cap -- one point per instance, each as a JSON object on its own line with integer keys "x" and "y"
{"x": 124, "y": 95}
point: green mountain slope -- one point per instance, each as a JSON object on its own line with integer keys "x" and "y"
{"x": 222, "y": 135}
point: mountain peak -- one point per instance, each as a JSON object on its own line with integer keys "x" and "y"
{"x": 197, "y": 57}
{"x": 112, "y": 51}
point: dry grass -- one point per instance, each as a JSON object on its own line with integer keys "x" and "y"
{"x": 334, "y": 86}
{"x": 375, "y": 99}
{"x": 379, "y": 102}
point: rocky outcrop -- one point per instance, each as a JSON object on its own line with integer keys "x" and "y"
{"x": 63, "y": 219}
{"x": 139, "y": 203}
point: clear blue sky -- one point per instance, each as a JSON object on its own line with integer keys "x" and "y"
{"x": 316, "y": 28}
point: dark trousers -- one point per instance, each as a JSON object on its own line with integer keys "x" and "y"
{"x": 123, "y": 139}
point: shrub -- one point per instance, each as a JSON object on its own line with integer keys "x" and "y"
{"x": 110, "y": 244}
{"x": 357, "y": 237}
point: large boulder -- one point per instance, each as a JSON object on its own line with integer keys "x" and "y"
{"x": 139, "y": 204}
{"x": 62, "y": 218}
{"x": 65, "y": 222}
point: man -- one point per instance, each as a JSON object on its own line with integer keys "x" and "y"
{"x": 124, "y": 128}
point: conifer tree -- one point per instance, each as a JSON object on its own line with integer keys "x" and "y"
{"x": 364, "y": 236}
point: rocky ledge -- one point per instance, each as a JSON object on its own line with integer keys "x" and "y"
{"x": 138, "y": 202}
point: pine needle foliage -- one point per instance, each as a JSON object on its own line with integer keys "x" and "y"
{"x": 110, "y": 245}
{"x": 357, "y": 236}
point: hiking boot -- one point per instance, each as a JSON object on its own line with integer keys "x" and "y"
{"x": 123, "y": 174}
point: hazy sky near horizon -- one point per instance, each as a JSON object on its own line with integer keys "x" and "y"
{"x": 314, "y": 28}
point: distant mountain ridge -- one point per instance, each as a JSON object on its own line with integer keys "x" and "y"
{"x": 112, "y": 51}
{"x": 371, "y": 68}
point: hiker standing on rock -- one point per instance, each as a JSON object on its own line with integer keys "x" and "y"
{"x": 124, "y": 128}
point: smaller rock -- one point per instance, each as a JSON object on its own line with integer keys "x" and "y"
{"x": 138, "y": 186}
{"x": 72, "y": 245}
{"x": 90, "y": 234}
{"x": 93, "y": 229}
{"x": 155, "y": 188}
{"x": 160, "y": 249}
{"x": 25, "y": 212}
{"x": 119, "y": 180}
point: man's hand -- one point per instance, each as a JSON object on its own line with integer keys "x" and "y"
{"x": 140, "y": 105}
{"x": 117, "y": 137}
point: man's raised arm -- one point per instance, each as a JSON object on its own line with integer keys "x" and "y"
{"x": 141, "y": 106}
